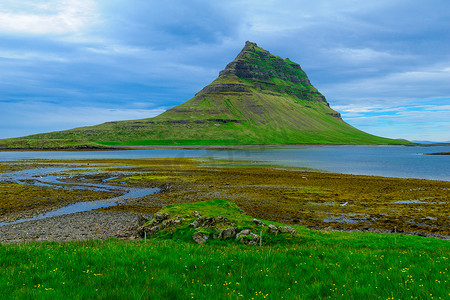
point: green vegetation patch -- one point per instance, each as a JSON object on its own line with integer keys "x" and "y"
{"x": 211, "y": 208}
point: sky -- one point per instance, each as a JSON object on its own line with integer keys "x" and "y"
{"x": 384, "y": 65}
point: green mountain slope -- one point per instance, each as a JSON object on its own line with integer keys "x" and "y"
{"x": 258, "y": 98}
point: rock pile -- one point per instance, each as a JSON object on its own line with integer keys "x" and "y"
{"x": 208, "y": 228}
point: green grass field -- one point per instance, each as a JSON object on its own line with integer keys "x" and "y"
{"x": 308, "y": 265}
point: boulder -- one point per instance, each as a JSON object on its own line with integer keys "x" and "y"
{"x": 228, "y": 233}
{"x": 161, "y": 217}
{"x": 150, "y": 230}
{"x": 222, "y": 219}
{"x": 248, "y": 237}
{"x": 287, "y": 229}
{"x": 141, "y": 220}
{"x": 168, "y": 223}
{"x": 273, "y": 229}
{"x": 243, "y": 232}
{"x": 204, "y": 222}
{"x": 258, "y": 222}
{"x": 199, "y": 237}
{"x": 209, "y": 222}
{"x": 195, "y": 224}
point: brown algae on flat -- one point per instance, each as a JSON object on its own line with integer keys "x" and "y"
{"x": 284, "y": 195}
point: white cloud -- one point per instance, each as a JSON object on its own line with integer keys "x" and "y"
{"x": 364, "y": 55}
{"x": 438, "y": 107}
{"x": 46, "y": 17}
{"x": 413, "y": 122}
{"x": 32, "y": 55}
{"x": 113, "y": 48}
{"x": 398, "y": 88}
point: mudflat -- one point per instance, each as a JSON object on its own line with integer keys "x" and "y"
{"x": 77, "y": 226}
{"x": 314, "y": 199}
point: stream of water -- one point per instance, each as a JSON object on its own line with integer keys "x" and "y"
{"x": 53, "y": 177}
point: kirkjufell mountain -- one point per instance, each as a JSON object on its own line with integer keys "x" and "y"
{"x": 258, "y": 99}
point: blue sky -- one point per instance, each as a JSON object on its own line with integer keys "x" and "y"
{"x": 385, "y": 65}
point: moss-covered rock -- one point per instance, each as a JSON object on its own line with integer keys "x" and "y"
{"x": 207, "y": 221}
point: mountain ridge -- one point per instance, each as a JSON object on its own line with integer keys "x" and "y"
{"x": 259, "y": 98}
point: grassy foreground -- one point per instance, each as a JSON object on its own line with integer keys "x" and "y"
{"x": 308, "y": 265}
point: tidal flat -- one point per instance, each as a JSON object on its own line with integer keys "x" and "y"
{"x": 317, "y": 200}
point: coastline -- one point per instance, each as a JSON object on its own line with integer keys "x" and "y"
{"x": 142, "y": 147}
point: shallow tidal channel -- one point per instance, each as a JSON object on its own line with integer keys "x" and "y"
{"x": 60, "y": 178}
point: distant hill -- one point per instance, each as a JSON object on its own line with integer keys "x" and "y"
{"x": 259, "y": 98}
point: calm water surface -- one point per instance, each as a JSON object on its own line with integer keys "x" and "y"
{"x": 391, "y": 161}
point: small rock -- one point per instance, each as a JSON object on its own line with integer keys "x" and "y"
{"x": 222, "y": 219}
{"x": 287, "y": 229}
{"x": 141, "y": 220}
{"x": 255, "y": 240}
{"x": 161, "y": 217}
{"x": 209, "y": 222}
{"x": 243, "y": 232}
{"x": 167, "y": 223}
{"x": 247, "y": 237}
{"x": 204, "y": 222}
{"x": 149, "y": 230}
{"x": 196, "y": 214}
{"x": 273, "y": 229}
{"x": 152, "y": 223}
{"x": 194, "y": 224}
{"x": 199, "y": 237}
{"x": 228, "y": 233}
{"x": 258, "y": 222}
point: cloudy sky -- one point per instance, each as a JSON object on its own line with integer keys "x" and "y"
{"x": 385, "y": 64}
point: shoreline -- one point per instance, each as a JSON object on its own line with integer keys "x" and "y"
{"x": 141, "y": 147}
{"x": 243, "y": 146}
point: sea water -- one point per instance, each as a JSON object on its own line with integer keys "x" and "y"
{"x": 388, "y": 161}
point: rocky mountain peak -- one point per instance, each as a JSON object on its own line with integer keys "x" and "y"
{"x": 260, "y": 69}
